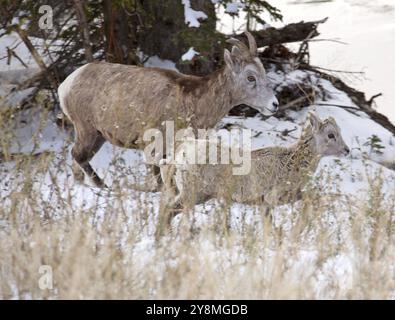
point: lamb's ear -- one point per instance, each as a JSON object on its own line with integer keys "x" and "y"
{"x": 332, "y": 120}
{"x": 313, "y": 120}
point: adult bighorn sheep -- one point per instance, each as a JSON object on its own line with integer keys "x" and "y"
{"x": 117, "y": 103}
{"x": 278, "y": 174}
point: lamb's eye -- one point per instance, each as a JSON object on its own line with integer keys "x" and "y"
{"x": 251, "y": 79}
{"x": 331, "y": 136}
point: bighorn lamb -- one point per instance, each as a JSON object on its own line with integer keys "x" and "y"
{"x": 118, "y": 103}
{"x": 277, "y": 174}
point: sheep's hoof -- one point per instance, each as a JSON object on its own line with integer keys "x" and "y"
{"x": 78, "y": 174}
{"x": 99, "y": 183}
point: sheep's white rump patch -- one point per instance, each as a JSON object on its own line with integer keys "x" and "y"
{"x": 65, "y": 88}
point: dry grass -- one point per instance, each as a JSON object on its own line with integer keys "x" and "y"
{"x": 323, "y": 247}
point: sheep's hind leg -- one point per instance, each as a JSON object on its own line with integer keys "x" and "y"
{"x": 84, "y": 149}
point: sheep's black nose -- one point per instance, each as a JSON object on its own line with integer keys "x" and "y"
{"x": 347, "y": 149}
{"x": 275, "y": 105}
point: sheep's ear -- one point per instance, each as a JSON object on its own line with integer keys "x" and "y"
{"x": 228, "y": 59}
{"x": 236, "y": 52}
{"x": 232, "y": 60}
{"x": 313, "y": 120}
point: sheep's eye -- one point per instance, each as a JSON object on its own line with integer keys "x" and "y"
{"x": 331, "y": 136}
{"x": 251, "y": 79}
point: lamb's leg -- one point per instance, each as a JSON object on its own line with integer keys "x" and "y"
{"x": 156, "y": 172}
{"x": 269, "y": 201}
{"x": 170, "y": 188}
{"x": 85, "y": 147}
{"x": 153, "y": 181}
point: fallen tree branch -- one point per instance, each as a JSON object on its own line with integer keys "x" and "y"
{"x": 294, "y": 102}
{"x": 308, "y": 96}
{"x": 293, "y": 32}
{"x": 358, "y": 98}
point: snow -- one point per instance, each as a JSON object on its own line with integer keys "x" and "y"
{"x": 192, "y": 16}
{"x": 13, "y": 41}
{"x": 32, "y": 136}
{"x": 157, "y": 62}
{"x": 16, "y": 98}
{"x": 17, "y": 76}
{"x": 9, "y": 82}
{"x": 187, "y": 56}
{"x": 15, "y": 73}
{"x": 233, "y": 7}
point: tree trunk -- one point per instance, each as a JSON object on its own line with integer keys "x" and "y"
{"x": 166, "y": 34}
{"x": 120, "y": 33}
{"x": 83, "y": 24}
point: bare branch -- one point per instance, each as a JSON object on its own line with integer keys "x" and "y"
{"x": 337, "y": 71}
{"x": 370, "y": 101}
{"x": 36, "y": 56}
{"x": 10, "y": 53}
